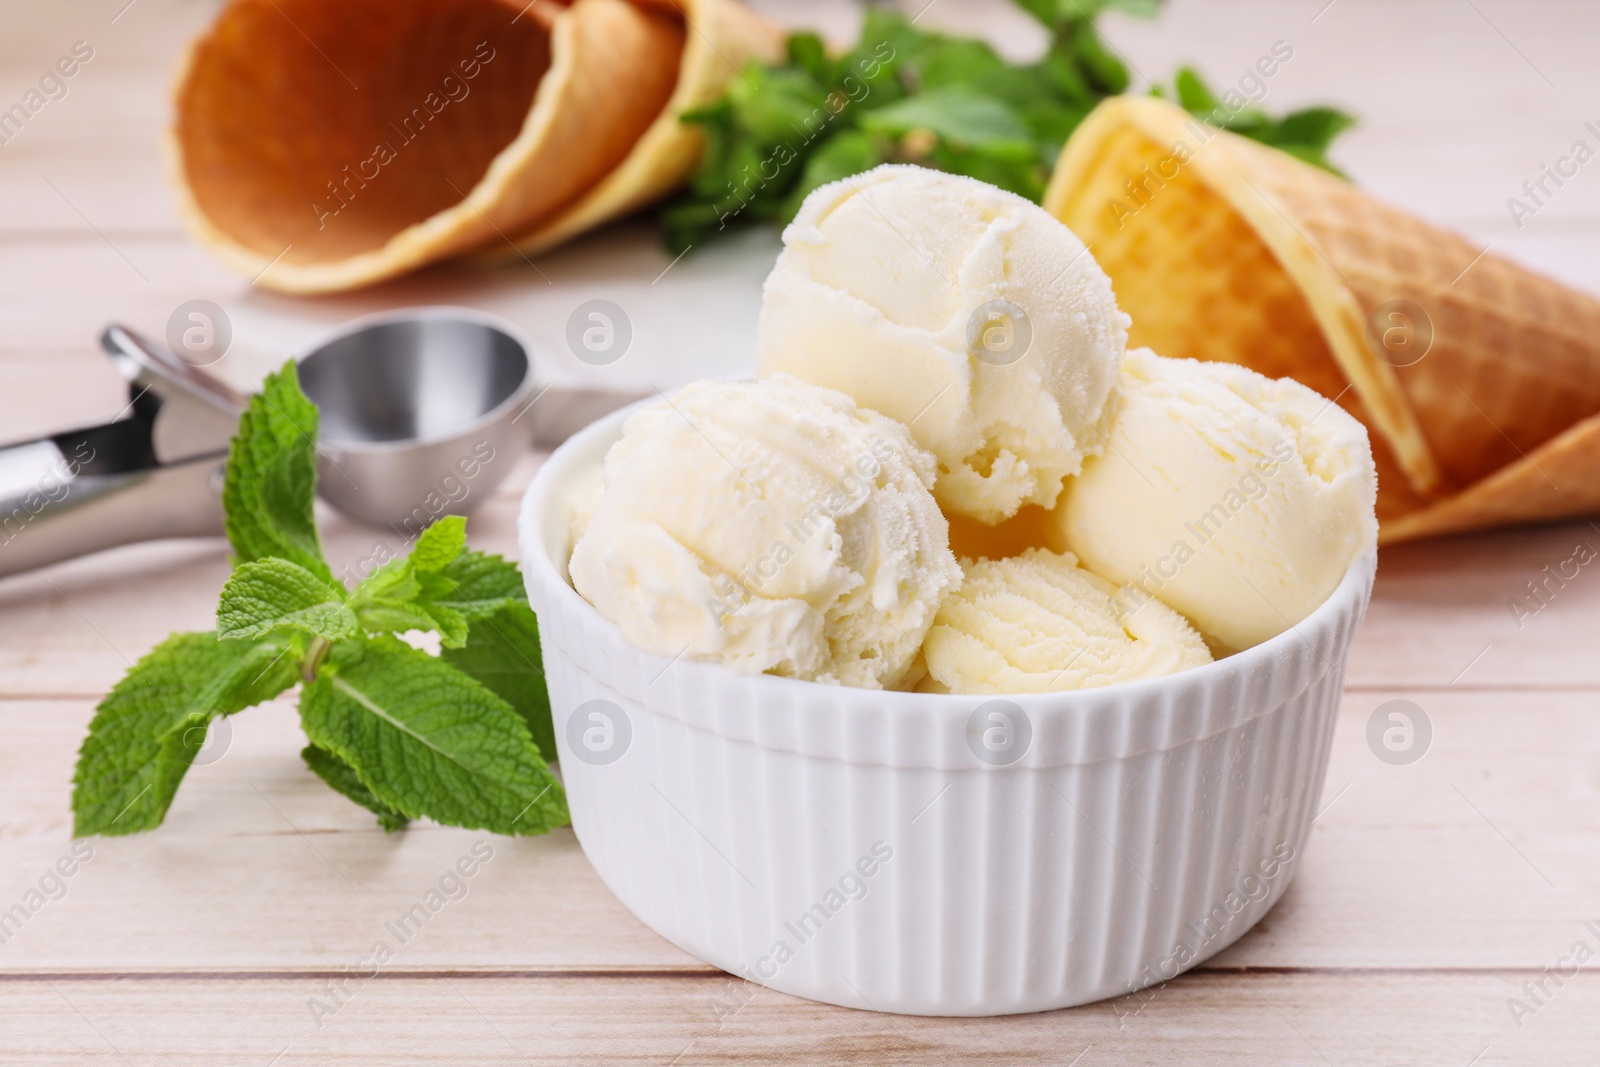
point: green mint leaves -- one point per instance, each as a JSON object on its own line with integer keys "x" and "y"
{"x": 459, "y": 738}
{"x": 147, "y": 730}
{"x": 1306, "y": 134}
{"x": 476, "y": 584}
{"x": 342, "y": 778}
{"x": 271, "y": 477}
{"x": 502, "y": 653}
{"x": 440, "y": 545}
{"x": 426, "y": 739}
{"x": 411, "y": 593}
{"x": 273, "y": 594}
{"x": 903, "y": 95}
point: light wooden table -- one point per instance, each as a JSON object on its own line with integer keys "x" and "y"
{"x": 1430, "y": 893}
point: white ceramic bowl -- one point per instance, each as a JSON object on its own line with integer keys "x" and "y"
{"x": 914, "y": 853}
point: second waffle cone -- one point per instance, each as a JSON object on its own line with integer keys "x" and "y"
{"x": 1475, "y": 375}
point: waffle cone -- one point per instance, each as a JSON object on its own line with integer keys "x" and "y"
{"x": 1474, "y": 375}
{"x": 319, "y": 147}
{"x": 723, "y": 35}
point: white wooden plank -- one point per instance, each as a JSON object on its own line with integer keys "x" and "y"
{"x": 1443, "y": 612}
{"x": 1212, "y": 1020}
{"x": 118, "y": 182}
{"x": 143, "y": 32}
{"x": 66, "y": 289}
{"x": 46, "y": 392}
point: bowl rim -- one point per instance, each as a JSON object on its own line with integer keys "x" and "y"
{"x": 1316, "y": 631}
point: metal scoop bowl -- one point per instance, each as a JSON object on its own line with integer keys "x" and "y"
{"x": 423, "y": 412}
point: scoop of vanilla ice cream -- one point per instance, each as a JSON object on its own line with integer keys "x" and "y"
{"x": 1039, "y": 622}
{"x": 960, "y": 309}
{"x": 582, "y": 496}
{"x": 771, "y": 526}
{"x": 1237, "y": 499}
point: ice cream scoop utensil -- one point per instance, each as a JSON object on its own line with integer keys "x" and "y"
{"x": 423, "y": 413}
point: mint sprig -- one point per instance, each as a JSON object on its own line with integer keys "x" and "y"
{"x": 459, "y": 738}
{"x": 906, "y": 95}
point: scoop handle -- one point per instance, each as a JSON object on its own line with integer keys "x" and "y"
{"x": 154, "y": 472}
{"x": 71, "y": 494}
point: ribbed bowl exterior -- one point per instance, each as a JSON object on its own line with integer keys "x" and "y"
{"x": 851, "y": 846}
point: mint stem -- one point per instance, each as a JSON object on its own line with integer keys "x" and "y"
{"x": 315, "y": 654}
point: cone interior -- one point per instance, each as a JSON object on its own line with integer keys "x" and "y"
{"x": 331, "y": 128}
{"x": 1199, "y": 282}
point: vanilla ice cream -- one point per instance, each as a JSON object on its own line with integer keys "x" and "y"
{"x": 771, "y": 526}
{"x": 1238, "y": 500}
{"x": 962, "y": 310}
{"x": 1038, "y": 622}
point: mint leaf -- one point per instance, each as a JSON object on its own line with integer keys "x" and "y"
{"x": 967, "y": 63}
{"x": 476, "y": 584}
{"x": 809, "y": 52}
{"x": 1313, "y": 127}
{"x": 395, "y": 582}
{"x": 272, "y": 594}
{"x": 439, "y": 544}
{"x": 342, "y": 778}
{"x": 1056, "y": 12}
{"x": 1305, "y": 134}
{"x": 429, "y": 741}
{"x": 399, "y": 618}
{"x": 502, "y": 652}
{"x": 145, "y": 733}
{"x": 393, "y": 729}
{"x": 271, "y": 477}
{"x": 955, "y": 113}
{"x": 440, "y": 586}
{"x": 1194, "y": 95}
{"x": 392, "y": 600}
{"x": 1102, "y": 67}
{"x": 964, "y": 131}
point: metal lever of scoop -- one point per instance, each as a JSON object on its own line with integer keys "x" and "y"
{"x": 69, "y": 494}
